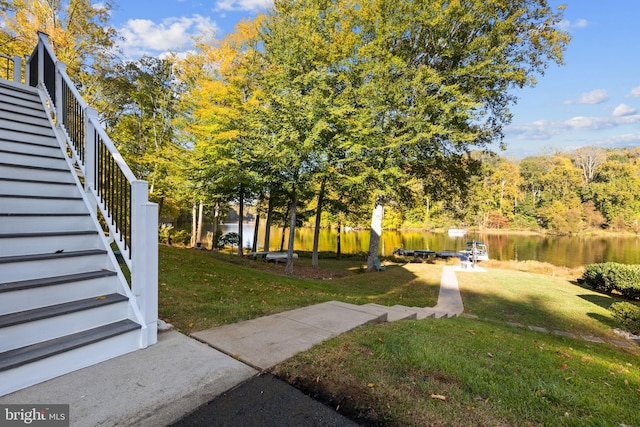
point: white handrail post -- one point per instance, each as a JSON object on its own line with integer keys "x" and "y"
{"x": 44, "y": 38}
{"x": 144, "y": 262}
{"x": 27, "y": 71}
{"x": 90, "y": 143}
{"x": 17, "y": 69}
{"x": 61, "y": 67}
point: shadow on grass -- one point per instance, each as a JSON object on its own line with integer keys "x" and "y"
{"x": 603, "y": 301}
{"x": 535, "y": 300}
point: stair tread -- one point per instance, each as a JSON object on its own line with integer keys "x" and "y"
{"x": 32, "y": 353}
{"x": 28, "y": 90}
{"x": 19, "y": 196}
{"x": 36, "y": 181}
{"x": 6, "y": 89}
{"x": 46, "y": 214}
{"x": 56, "y": 280}
{"x": 57, "y": 255}
{"x": 59, "y": 309}
{"x": 46, "y": 168}
{"x": 52, "y": 146}
{"x": 42, "y": 156}
{"x": 47, "y": 234}
{"x": 44, "y": 125}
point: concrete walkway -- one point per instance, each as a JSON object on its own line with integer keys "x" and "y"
{"x": 267, "y": 341}
{"x": 161, "y": 384}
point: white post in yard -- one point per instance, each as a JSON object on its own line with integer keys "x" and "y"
{"x": 144, "y": 262}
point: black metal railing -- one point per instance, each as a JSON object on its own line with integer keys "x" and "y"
{"x": 32, "y": 66}
{"x": 114, "y": 190}
{"x": 106, "y": 173}
{"x": 73, "y": 119}
{"x": 7, "y": 67}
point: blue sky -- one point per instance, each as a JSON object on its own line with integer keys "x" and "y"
{"x": 592, "y": 100}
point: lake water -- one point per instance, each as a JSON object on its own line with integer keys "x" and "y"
{"x": 570, "y": 251}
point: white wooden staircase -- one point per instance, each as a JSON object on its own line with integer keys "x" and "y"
{"x": 64, "y": 301}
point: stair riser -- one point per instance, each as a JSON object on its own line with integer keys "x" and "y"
{"x": 19, "y": 117}
{"x": 28, "y": 270}
{"x": 38, "y": 189}
{"x": 39, "y": 224}
{"x": 60, "y": 364}
{"x": 28, "y": 160}
{"x": 25, "y": 334}
{"x": 28, "y": 299}
{"x": 31, "y": 205}
{"x": 8, "y": 111}
{"x": 28, "y": 128}
{"x": 38, "y": 150}
{"x": 47, "y": 244}
{"x": 35, "y": 174}
{"x": 13, "y": 135}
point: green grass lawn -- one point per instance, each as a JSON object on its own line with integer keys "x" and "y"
{"x": 199, "y": 289}
{"x": 534, "y": 299}
{"x": 465, "y": 372}
{"x": 462, "y": 372}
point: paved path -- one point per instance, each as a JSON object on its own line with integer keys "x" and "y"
{"x": 266, "y": 341}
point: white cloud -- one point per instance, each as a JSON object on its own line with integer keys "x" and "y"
{"x": 143, "y": 36}
{"x": 635, "y": 92}
{"x": 565, "y": 24}
{"x": 597, "y": 96}
{"x": 243, "y": 5}
{"x": 581, "y": 23}
{"x": 545, "y": 129}
{"x": 624, "y": 110}
{"x": 540, "y": 130}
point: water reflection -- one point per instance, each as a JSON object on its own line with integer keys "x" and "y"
{"x": 570, "y": 251}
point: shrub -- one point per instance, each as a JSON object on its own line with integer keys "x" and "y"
{"x": 628, "y": 315}
{"x": 229, "y": 239}
{"x": 611, "y": 276}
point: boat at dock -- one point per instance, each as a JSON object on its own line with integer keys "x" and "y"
{"x": 476, "y": 251}
{"x": 457, "y": 232}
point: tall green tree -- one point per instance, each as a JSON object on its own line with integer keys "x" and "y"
{"x": 223, "y": 107}
{"x": 139, "y": 104}
{"x": 307, "y": 52}
{"x": 79, "y": 34}
{"x": 436, "y": 80}
{"x": 616, "y": 192}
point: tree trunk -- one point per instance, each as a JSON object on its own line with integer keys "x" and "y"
{"x": 338, "y": 247}
{"x": 284, "y": 228}
{"x": 376, "y": 232}
{"x": 200, "y": 222}
{"x": 216, "y": 218}
{"x": 267, "y": 231}
{"x": 316, "y": 231}
{"x": 254, "y": 246}
{"x": 194, "y": 226}
{"x": 160, "y": 207}
{"x": 240, "y": 218}
{"x": 292, "y": 232}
